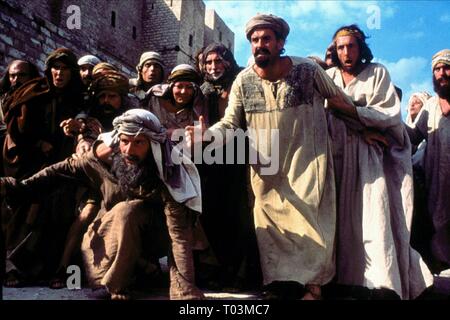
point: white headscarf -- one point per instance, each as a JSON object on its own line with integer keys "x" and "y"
{"x": 182, "y": 180}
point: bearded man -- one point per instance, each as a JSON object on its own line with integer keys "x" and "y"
{"x": 131, "y": 170}
{"x": 433, "y": 125}
{"x": 295, "y": 207}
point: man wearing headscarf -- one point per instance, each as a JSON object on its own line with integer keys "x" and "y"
{"x": 433, "y": 125}
{"x": 179, "y": 102}
{"x": 132, "y": 173}
{"x": 87, "y": 64}
{"x": 150, "y": 72}
{"x": 34, "y": 140}
{"x": 295, "y": 208}
{"x": 236, "y": 251}
{"x": 373, "y": 178}
{"x": 109, "y": 93}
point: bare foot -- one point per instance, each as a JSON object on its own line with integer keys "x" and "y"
{"x": 120, "y": 296}
{"x": 313, "y": 292}
{"x": 13, "y": 279}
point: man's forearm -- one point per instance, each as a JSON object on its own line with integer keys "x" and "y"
{"x": 343, "y": 104}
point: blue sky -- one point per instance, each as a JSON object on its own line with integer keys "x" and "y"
{"x": 404, "y": 37}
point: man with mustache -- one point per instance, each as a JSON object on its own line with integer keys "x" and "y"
{"x": 373, "y": 179}
{"x": 109, "y": 95}
{"x": 131, "y": 170}
{"x": 295, "y": 208}
{"x": 434, "y": 126}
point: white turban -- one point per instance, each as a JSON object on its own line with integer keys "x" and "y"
{"x": 182, "y": 180}
{"x": 89, "y": 59}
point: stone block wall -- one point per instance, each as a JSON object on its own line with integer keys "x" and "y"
{"x": 217, "y": 31}
{"x": 32, "y": 29}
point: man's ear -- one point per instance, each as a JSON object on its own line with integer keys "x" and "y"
{"x": 280, "y": 44}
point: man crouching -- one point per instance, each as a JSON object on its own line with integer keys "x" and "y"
{"x": 131, "y": 171}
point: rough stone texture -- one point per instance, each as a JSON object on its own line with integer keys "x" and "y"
{"x": 192, "y": 27}
{"x": 217, "y": 31}
{"x": 31, "y": 30}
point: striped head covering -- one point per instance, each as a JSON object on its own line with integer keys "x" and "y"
{"x": 442, "y": 56}
{"x": 182, "y": 180}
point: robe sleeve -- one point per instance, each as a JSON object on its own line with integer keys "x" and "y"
{"x": 50, "y": 178}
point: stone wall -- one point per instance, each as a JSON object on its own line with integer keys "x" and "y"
{"x": 176, "y": 28}
{"x": 191, "y": 31}
{"x": 161, "y": 28}
{"x": 217, "y": 31}
{"x": 31, "y": 30}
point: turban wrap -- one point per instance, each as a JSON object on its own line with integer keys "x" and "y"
{"x": 278, "y": 25}
{"x": 442, "y": 56}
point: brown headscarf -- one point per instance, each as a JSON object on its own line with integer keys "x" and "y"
{"x": 184, "y": 72}
{"x": 109, "y": 80}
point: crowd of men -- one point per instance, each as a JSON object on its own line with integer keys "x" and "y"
{"x": 357, "y": 204}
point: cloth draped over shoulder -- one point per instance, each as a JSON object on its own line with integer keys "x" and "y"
{"x": 375, "y": 191}
{"x": 182, "y": 179}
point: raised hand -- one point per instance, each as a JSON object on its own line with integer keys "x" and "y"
{"x": 71, "y": 127}
{"x": 190, "y": 130}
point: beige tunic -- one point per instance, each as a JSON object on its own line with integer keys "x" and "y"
{"x": 375, "y": 194}
{"x": 295, "y": 207}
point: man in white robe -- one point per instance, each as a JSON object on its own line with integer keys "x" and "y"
{"x": 295, "y": 208}
{"x": 374, "y": 180}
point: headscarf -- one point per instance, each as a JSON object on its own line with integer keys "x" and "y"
{"x": 105, "y": 66}
{"x": 88, "y": 59}
{"x": 62, "y": 54}
{"x": 423, "y": 97}
{"x": 231, "y": 67}
{"x": 150, "y": 55}
{"x": 184, "y": 72}
{"x": 182, "y": 180}
{"x": 75, "y": 85}
{"x": 109, "y": 80}
{"x": 153, "y": 57}
{"x": 442, "y": 56}
{"x": 277, "y": 24}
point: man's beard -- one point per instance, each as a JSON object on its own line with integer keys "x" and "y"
{"x": 262, "y": 61}
{"x": 215, "y": 77}
{"x": 129, "y": 176}
{"x": 443, "y": 91}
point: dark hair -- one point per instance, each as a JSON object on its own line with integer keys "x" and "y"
{"x": 365, "y": 54}
{"x": 5, "y": 84}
